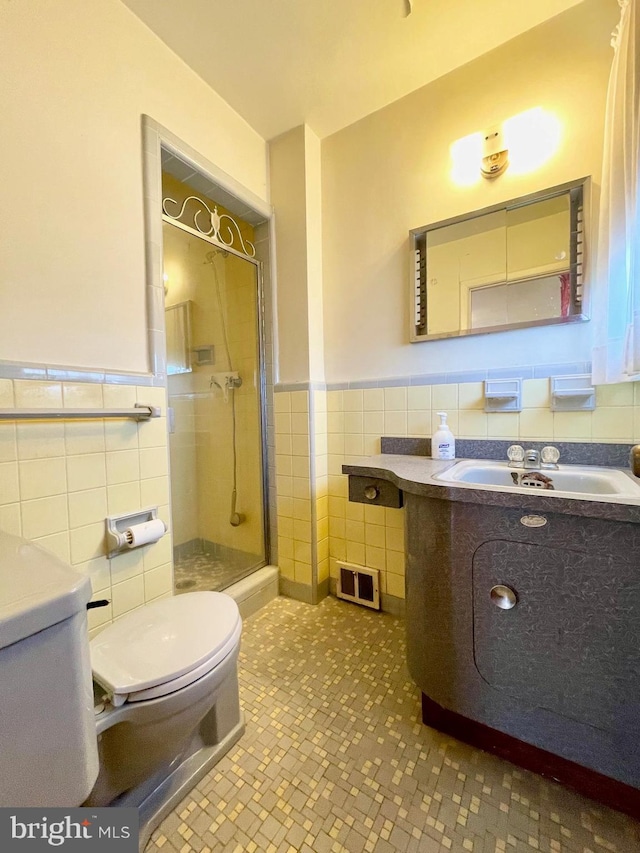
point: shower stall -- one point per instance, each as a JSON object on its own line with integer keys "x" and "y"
{"x": 215, "y": 359}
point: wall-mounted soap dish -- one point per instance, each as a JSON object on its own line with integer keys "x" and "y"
{"x": 573, "y": 393}
{"x": 503, "y": 395}
{"x": 203, "y": 355}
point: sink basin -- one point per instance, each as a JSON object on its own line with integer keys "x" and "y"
{"x": 577, "y": 481}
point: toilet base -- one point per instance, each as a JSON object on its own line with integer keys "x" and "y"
{"x": 154, "y": 751}
{"x": 158, "y": 796}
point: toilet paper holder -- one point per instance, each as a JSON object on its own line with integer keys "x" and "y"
{"x": 132, "y": 530}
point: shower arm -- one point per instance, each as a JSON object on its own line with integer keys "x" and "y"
{"x": 226, "y": 381}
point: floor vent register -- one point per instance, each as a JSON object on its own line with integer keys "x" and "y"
{"x": 358, "y": 584}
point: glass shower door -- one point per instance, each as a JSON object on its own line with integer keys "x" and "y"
{"x": 215, "y": 391}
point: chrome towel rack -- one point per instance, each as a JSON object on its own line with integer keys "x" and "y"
{"x": 140, "y": 412}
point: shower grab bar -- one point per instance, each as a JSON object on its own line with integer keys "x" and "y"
{"x": 141, "y": 412}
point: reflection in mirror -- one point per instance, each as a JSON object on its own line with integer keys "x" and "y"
{"x": 519, "y": 264}
{"x": 178, "y": 331}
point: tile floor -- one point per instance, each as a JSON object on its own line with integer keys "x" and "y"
{"x": 335, "y": 758}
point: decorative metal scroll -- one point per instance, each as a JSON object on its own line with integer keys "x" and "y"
{"x": 214, "y": 222}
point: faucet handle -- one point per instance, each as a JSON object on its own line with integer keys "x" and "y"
{"x": 515, "y": 453}
{"x": 550, "y": 456}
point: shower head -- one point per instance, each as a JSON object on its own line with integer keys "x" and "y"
{"x": 210, "y": 256}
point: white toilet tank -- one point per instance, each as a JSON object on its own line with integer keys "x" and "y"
{"x": 48, "y": 749}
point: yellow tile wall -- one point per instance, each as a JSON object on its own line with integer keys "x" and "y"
{"x": 366, "y": 535}
{"x": 293, "y": 479}
{"x": 321, "y": 495}
{"x": 59, "y": 480}
{"x": 356, "y": 419}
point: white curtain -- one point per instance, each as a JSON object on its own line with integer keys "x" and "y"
{"x": 616, "y": 290}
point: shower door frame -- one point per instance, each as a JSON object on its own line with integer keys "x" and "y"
{"x": 155, "y": 139}
{"x": 262, "y": 389}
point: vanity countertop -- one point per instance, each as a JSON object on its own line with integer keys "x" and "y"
{"x": 415, "y": 475}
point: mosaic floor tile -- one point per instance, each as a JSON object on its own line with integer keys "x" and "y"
{"x": 335, "y": 759}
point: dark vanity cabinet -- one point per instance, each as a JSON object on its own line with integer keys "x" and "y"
{"x": 565, "y": 645}
{"x": 528, "y": 624}
{"x": 523, "y": 622}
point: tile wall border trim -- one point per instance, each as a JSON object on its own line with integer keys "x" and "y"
{"x": 541, "y": 371}
{"x": 300, "y": 386}
{"x": 43, "y": 373}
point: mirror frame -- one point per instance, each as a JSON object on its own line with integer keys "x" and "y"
{"x": 580, "y": 204}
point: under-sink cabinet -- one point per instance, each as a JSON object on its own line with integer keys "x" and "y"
{"x": 523, "y": 628}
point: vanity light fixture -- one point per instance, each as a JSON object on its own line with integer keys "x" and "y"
{"x": 524, "y": 143}
{"x": 495, "y": 154}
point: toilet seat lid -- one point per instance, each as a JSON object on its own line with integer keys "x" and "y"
{"x": 164, "y": 640}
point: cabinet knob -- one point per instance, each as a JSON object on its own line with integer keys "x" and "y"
{"x": 371, "y": 493}
{"x": 503, "y": 597}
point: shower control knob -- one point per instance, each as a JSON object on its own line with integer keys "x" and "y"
{"x": 371, "y": 493}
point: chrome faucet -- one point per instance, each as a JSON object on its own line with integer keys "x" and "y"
{"x": 536, "y": 459}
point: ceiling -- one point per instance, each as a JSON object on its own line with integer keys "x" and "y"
{"x": 329, "y": 63}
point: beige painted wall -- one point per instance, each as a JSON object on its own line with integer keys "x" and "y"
{"x": 313, "y": 215}
{"x": 75, "y": 79}
{"x": 391, "y": 172}
{"x": 288, "y": 196}
{"x": 295, "y": 169}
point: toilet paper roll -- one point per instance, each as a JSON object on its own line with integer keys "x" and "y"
{"x": 142, "y": 534}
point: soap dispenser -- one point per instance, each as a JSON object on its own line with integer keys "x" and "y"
{"x": 443, "y": 444}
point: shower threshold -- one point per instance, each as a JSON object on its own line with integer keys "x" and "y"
{"x": 203, "y": 565}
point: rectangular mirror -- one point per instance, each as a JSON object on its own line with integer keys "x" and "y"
{"x": 178, "y": 330}
{"x": 510, "y": 266}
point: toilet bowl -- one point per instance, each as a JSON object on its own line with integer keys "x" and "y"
{"x": 167, "y": 709}
{"x": 163, "y": 710}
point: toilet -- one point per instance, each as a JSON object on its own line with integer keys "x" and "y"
{"x": 147, "y": 707}
{"x": 167, "y": 699}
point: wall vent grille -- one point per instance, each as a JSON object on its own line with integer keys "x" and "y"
{"x": 359, "y": 584}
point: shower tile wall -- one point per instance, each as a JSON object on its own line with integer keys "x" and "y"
{"x": 356, "y": 419}
{"x": 58, "y": 482}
